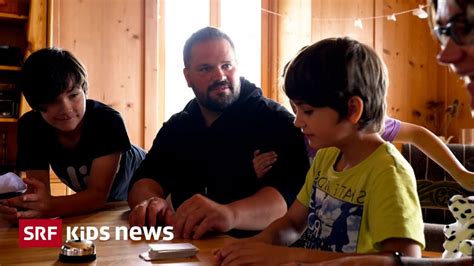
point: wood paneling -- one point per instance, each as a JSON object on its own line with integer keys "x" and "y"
{"x": 269, "y": 48}
{"x": 335, "y": 18}
{"x": 108, "y": 37}
{"x": 406, "y": 46}
{"x": 454, "y": 88}
{"x": 294, "y": 32}
{"x": 154, "y": 75}
{"x": 37, "y": 25}
{"x": 122, "y": 49}
{"x": 409, "y": 52}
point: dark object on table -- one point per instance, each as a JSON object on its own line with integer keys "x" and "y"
{"x": 10, "y": 195}
{"x": 77, "y": 251}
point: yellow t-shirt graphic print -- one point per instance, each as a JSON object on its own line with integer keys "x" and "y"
{"x": 356, "y": 209}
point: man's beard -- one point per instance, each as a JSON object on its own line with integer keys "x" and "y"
{"x": 220, "y": 103}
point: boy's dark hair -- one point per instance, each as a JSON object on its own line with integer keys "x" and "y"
{"x": 329, "y": 72}
{"x": 49, "y": 72}
{"x": 204, "y": 34}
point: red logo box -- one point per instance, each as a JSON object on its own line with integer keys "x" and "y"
{"x": 40, "y": 233}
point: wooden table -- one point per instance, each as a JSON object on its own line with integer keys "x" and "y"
{"x": 431, "y": 254}
{"x": 118, "y": 252}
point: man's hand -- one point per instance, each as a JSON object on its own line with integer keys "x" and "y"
{"x": 153, "y": 211}
{"x": 263, "y": 162}
{"x": 198, "y": 215}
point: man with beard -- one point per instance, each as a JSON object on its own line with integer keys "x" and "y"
{"x": 202, "y": 156}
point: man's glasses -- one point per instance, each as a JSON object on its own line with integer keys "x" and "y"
{"x": 458, "y": 29}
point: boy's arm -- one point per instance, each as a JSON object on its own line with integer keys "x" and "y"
{"x": 9, "y": 208}
{"x": 40, "y": 203}
{"x": 284, "y": 231}
{"x": 391, "y": 260}
{"x": 434, "y": 148}
{"x": 245, "y": 252}
{"x": 40, "y": 175}
{"x": 287, "y": 229}
{"x": 406, "y": 246}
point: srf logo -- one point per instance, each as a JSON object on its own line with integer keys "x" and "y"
{"x": 40, "y": 233}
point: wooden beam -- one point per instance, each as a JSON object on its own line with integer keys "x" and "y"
{"x": 154, "y": 88}
{"x": 215, "y": 13}
{"x": 269, "y": 49}
{"x": 37, "y": 25}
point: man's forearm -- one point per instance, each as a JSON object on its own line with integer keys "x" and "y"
{"x": 259, "y": 210}
{"x": 144, "y": 189}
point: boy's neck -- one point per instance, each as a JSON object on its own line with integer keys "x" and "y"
{"x": 70, "y": 139}
{"x": 356, "y": 150}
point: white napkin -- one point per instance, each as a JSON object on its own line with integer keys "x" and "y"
{"x": 10, "y": 182}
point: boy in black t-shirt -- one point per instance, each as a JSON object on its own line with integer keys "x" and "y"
{"x": 84, "y": 142}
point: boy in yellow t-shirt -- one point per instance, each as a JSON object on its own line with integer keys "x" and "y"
{"x": 360, "y": 193}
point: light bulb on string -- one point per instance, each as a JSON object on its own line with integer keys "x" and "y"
{"x": 420, "y": 12}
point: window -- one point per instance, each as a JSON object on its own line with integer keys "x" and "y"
{"x": 180, "y": 23}
{"x": 241, "y": 20}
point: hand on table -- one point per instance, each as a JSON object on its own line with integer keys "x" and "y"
{"x": 8, "y": 213}
{"x": 198, "y": 215}
{"x": 249, "y": 252}
{"x": 263, "y": 162}
{"x": 360, "y": 261}
{"x": 153, "y": 211}
{"x": 35, "y": 204}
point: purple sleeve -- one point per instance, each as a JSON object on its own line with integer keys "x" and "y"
{"x": 391, "y": 129}
{"x": 311, "y": 152}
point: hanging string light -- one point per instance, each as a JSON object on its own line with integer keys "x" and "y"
{"x": 358, "y": 23}
{"x": 419, "y": 12}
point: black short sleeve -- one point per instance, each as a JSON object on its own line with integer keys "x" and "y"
{"x": 103, "y": 132}
{"x": 33, "y": 137}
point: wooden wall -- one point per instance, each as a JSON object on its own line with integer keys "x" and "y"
{"x": 405, "y": 45}
{"x": 108, "y": 37}
{"x": 409, "y": 51}
{"x": 118, "y": 42}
